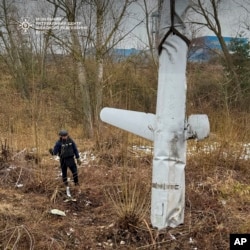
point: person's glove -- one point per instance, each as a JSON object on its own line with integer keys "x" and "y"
{"x": 78, "y": 161}
{"x": 51, "y": 151}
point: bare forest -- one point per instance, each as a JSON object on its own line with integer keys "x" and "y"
{"x": 60, "y": 78}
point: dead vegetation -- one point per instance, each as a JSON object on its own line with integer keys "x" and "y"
{"x": 112, "y": 210}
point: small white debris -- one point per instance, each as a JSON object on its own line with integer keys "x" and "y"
{"x": 71, "y": 230}
{"x": 111, "y": 225}
{"x": 122, "y": 242}
{"x": 87, "y": 203}
{"x": 11, "y": 167}
{"x": 19, "y": 185}
{"x": 57, "y": 212}
{"x": 172, "y": 236}
{"x": 223, "y": 202}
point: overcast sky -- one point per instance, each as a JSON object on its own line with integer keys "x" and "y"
{"x": 231, "y": 16}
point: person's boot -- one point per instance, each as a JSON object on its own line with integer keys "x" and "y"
{"x": 68, "y": 191}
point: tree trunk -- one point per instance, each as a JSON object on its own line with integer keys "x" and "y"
{"x": 99, "y": 62}
{"x": 14, "y": 63}
{"x": 81, "y": 70}
{"x": 86, "y": 104}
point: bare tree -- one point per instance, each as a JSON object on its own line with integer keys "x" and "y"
{"x": 151, "y": 24}
{"x": 209, "y": 13}
{"x": 244, "y": 6}
{"x": 109, "y": 16}
{"x": 69, "y": 8}
{"x": 45, "y": 42}
{"x": 12, "y": 43}
{"x": 103, "y": 20}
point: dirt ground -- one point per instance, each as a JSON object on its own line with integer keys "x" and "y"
{"x": 217, "y": 204}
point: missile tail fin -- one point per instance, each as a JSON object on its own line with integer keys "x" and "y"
{"x": 139, "y": 123}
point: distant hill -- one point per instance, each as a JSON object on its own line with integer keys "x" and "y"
{"x": 203, "y": 48}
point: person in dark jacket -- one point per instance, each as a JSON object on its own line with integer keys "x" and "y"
{"x": 67, "y": 150}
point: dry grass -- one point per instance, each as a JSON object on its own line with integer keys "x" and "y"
{"x": 112, "y": 210}
{"x": 130, "y": 200}
{"x": 114, "y": 204}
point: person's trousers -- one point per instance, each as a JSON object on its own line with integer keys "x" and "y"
{"x": 69, "y": 163}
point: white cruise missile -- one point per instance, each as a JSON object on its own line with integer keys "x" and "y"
{"x": 168, "y": 128}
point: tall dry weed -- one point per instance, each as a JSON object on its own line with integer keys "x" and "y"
{"x": 130, "y": 200}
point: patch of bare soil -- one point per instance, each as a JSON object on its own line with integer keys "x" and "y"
{"x": 217, "y": 204}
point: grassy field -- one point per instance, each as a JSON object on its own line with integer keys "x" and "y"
{"x": 112, "y": 210}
